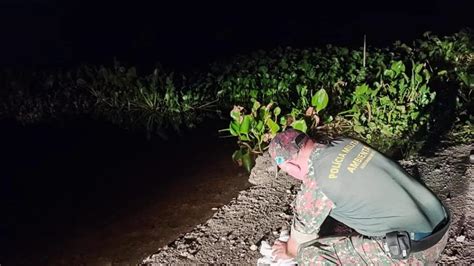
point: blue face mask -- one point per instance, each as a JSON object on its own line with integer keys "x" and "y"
{"x": 279, "y": 160}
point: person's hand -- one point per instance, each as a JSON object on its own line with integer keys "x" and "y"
{"x": 279, "y": 251}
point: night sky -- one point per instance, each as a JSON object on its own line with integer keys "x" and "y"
{"x": 37, "y": 33}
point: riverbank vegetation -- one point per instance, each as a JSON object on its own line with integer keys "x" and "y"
{"x": 396, "y": 98}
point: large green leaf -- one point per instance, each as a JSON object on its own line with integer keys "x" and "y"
{"x": 274, "y": 127}
{"x": 300, "y": 125}
{"x": 244, "y": 127}
{"x": 247, "y": 161}
{"x": 320, "y": 100}
{"x": 398, "y": 67}
{"x": 234, "y": 128}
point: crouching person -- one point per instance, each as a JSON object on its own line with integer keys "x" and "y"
{"x": 397, "y": 219}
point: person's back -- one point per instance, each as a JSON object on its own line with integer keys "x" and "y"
{"x": 371, "y": 193}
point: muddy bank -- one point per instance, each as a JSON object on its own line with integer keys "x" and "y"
{"x": 235, "y": 231}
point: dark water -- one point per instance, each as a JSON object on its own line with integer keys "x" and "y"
{"x": 84, "y": 192}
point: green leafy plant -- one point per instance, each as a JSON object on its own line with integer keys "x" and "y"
{"x": 385, "y": 101}
{"x": 255, "y": 129}
{"x": 392, "y": 108}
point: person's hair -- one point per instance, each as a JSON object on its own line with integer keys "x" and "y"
{"x": 301, "y": 140}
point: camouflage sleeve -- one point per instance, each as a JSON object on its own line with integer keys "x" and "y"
{"x": 311, "y": 207}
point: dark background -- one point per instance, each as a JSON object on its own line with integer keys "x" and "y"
{"x": 59, "y": 181}
{"x": 38, "y": 33}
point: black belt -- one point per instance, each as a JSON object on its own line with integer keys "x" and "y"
{"x": 399, "y": 245}
{"x": 435, "y": 237}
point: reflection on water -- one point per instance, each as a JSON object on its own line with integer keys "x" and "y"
{"x": 89, "y": 193}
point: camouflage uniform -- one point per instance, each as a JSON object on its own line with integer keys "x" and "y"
{"x": 358, "y": 249}
{"x": 312, "y": 207}
{"x": 363, "y": 189}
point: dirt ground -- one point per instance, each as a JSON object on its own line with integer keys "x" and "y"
{"x": 236, "y": 230}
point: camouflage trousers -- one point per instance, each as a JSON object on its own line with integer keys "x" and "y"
{"x": 361, "y": 250}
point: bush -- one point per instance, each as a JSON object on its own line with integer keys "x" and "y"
{"x": 384, "y": 99}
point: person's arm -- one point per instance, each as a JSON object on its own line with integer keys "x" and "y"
{"x": 311, "y": 209}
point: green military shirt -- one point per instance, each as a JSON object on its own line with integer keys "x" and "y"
{"x": 365, "y": 190}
